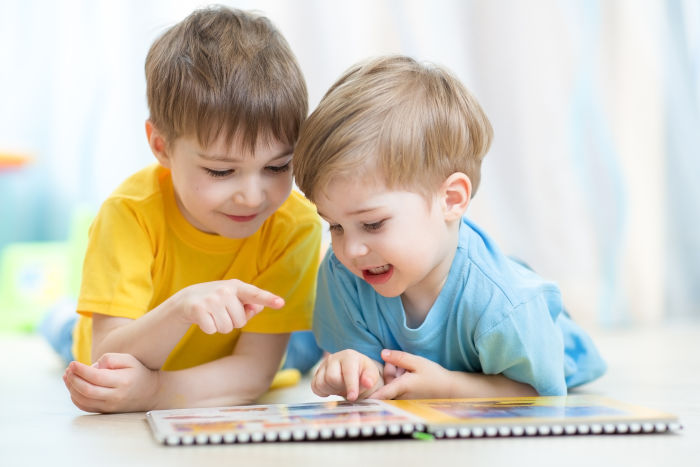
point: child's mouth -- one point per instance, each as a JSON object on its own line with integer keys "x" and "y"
{"x": 242, "y": 218}
{"x": 378, "y": 275}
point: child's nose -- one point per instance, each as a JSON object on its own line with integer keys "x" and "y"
{"x": 355, "y": 247}
{"x": 249, "y": 193}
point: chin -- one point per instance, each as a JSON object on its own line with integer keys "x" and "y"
{"x": 387, "y": 291}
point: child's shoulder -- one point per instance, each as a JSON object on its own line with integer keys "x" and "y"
{"x": 295, "y": 222}
{"x": 148, "y": 182}
{"x": 488, "y": 269}
{"x": 297, "y": 210}
{"x": 141, "y": 193}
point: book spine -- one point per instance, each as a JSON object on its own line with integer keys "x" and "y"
{"x": 309, "y": 434}
{"x": 554, "y": 430}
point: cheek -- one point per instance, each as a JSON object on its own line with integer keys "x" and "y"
{"x": 188, "y": 189}
{"x": 337, "y": 244}
{"x": 409, "y": 244}
{"x": 206, "y": 191}
{"x": 280, "y": 187}
{"x": 209, "y": 195}
{"x": 338, "y": 250}
{"x": 194, "y": 182}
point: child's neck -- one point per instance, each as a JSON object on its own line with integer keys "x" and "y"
{"x": 419, "y": 299}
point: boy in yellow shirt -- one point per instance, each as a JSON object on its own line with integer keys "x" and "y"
{"x": 199, "y": 267}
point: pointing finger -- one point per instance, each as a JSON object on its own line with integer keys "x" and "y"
{"x": 350, "y": 377}
{"x": 249, "y": 294}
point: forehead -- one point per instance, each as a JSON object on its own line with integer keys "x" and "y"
{"x": 235, "y": 149}
{"x": 353, "y": 196}
{"x": 350, "y": 187}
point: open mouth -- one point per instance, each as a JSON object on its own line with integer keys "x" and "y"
{"x": 378, "y": 275}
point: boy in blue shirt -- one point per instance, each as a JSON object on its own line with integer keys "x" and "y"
{"x": 413, "y": 299}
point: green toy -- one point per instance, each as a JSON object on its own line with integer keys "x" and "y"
{"x": 34, "y": 276}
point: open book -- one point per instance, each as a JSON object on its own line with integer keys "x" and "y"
{"x": 433, "y": 418}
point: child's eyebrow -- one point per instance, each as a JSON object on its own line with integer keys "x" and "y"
{"x": 362, "y": 211}
{"x": 218, "y": 157}
{"x": 226, "y": 158}
{"x": 352, "y": 213}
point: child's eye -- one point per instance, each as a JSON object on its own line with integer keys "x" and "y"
{"x": 335, "y": 228}
{"x": 218, "y": 173}
{"x": 278, "y": 169}
{"x": 373, "y": 227}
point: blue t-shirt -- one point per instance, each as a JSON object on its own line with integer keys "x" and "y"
{"x": 492, "y": 316}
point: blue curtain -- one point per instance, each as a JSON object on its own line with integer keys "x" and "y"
{"x": 682, "y": 118}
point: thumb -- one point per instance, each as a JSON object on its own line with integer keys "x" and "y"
{"x": 400, "y": 359}
{"x": 391, "y": 390}
{"x": 114, "y": 361}
{"x": 389, "y": 373}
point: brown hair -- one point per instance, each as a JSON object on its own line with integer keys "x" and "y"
{"x": 415, "y": 123}
{"x": 225, "y": 71}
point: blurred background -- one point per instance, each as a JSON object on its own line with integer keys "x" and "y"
{"x": 593, "y": 177}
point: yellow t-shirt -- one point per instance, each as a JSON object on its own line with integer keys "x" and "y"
{"x": 141, "y": 250}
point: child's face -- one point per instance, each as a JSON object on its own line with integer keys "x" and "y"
{"x": 397, "y": 241}
{"x": 226, "y": 191}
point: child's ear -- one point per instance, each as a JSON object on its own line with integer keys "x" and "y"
{"x": 157, "y": 143}
{"x": 456, "y": 192}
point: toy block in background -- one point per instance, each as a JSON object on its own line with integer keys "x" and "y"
{"x": 33, "y": 277}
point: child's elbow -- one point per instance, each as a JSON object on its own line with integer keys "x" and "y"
{"x": 257, "y": 387}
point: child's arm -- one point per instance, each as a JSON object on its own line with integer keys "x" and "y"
{"x": 420, "y": 378}
{"x": 218, "y": 306}
{"x": 120, "y": 383}
{"x": 349, "y": 374}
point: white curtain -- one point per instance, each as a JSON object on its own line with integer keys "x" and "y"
{"x": 592, "y": 177}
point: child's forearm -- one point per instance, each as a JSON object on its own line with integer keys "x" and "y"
{"x": 217, "y": 306}
{"x": 237, "y": 379}
{"x": 149, "y": 338}
{"x": 419, "y": 378}
{"x": 119, "y": 382}
{"x": 227, "y": 381}
{"x": 480, "y": 385}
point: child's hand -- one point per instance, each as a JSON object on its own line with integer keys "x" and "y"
{"x": 408, "y": 376}
{"x": 222, "y": 306}
{"x": 347, "y": 373}
{"x": 117, "y": 382}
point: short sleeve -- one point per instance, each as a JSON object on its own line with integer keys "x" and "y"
{"x": 525, "y": 346}
{"x": 291, "y": 275}
{"x": 337, "y": 322}
{"x": 116, "y": 278}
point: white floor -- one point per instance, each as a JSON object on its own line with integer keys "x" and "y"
{"x": 659, "y": 368}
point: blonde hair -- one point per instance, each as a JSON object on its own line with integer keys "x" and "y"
{"x": 225, "y": 71}
{"x": 415, "y": 123}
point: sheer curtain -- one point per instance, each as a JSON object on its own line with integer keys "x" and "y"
{"x": 592, "y": 177}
